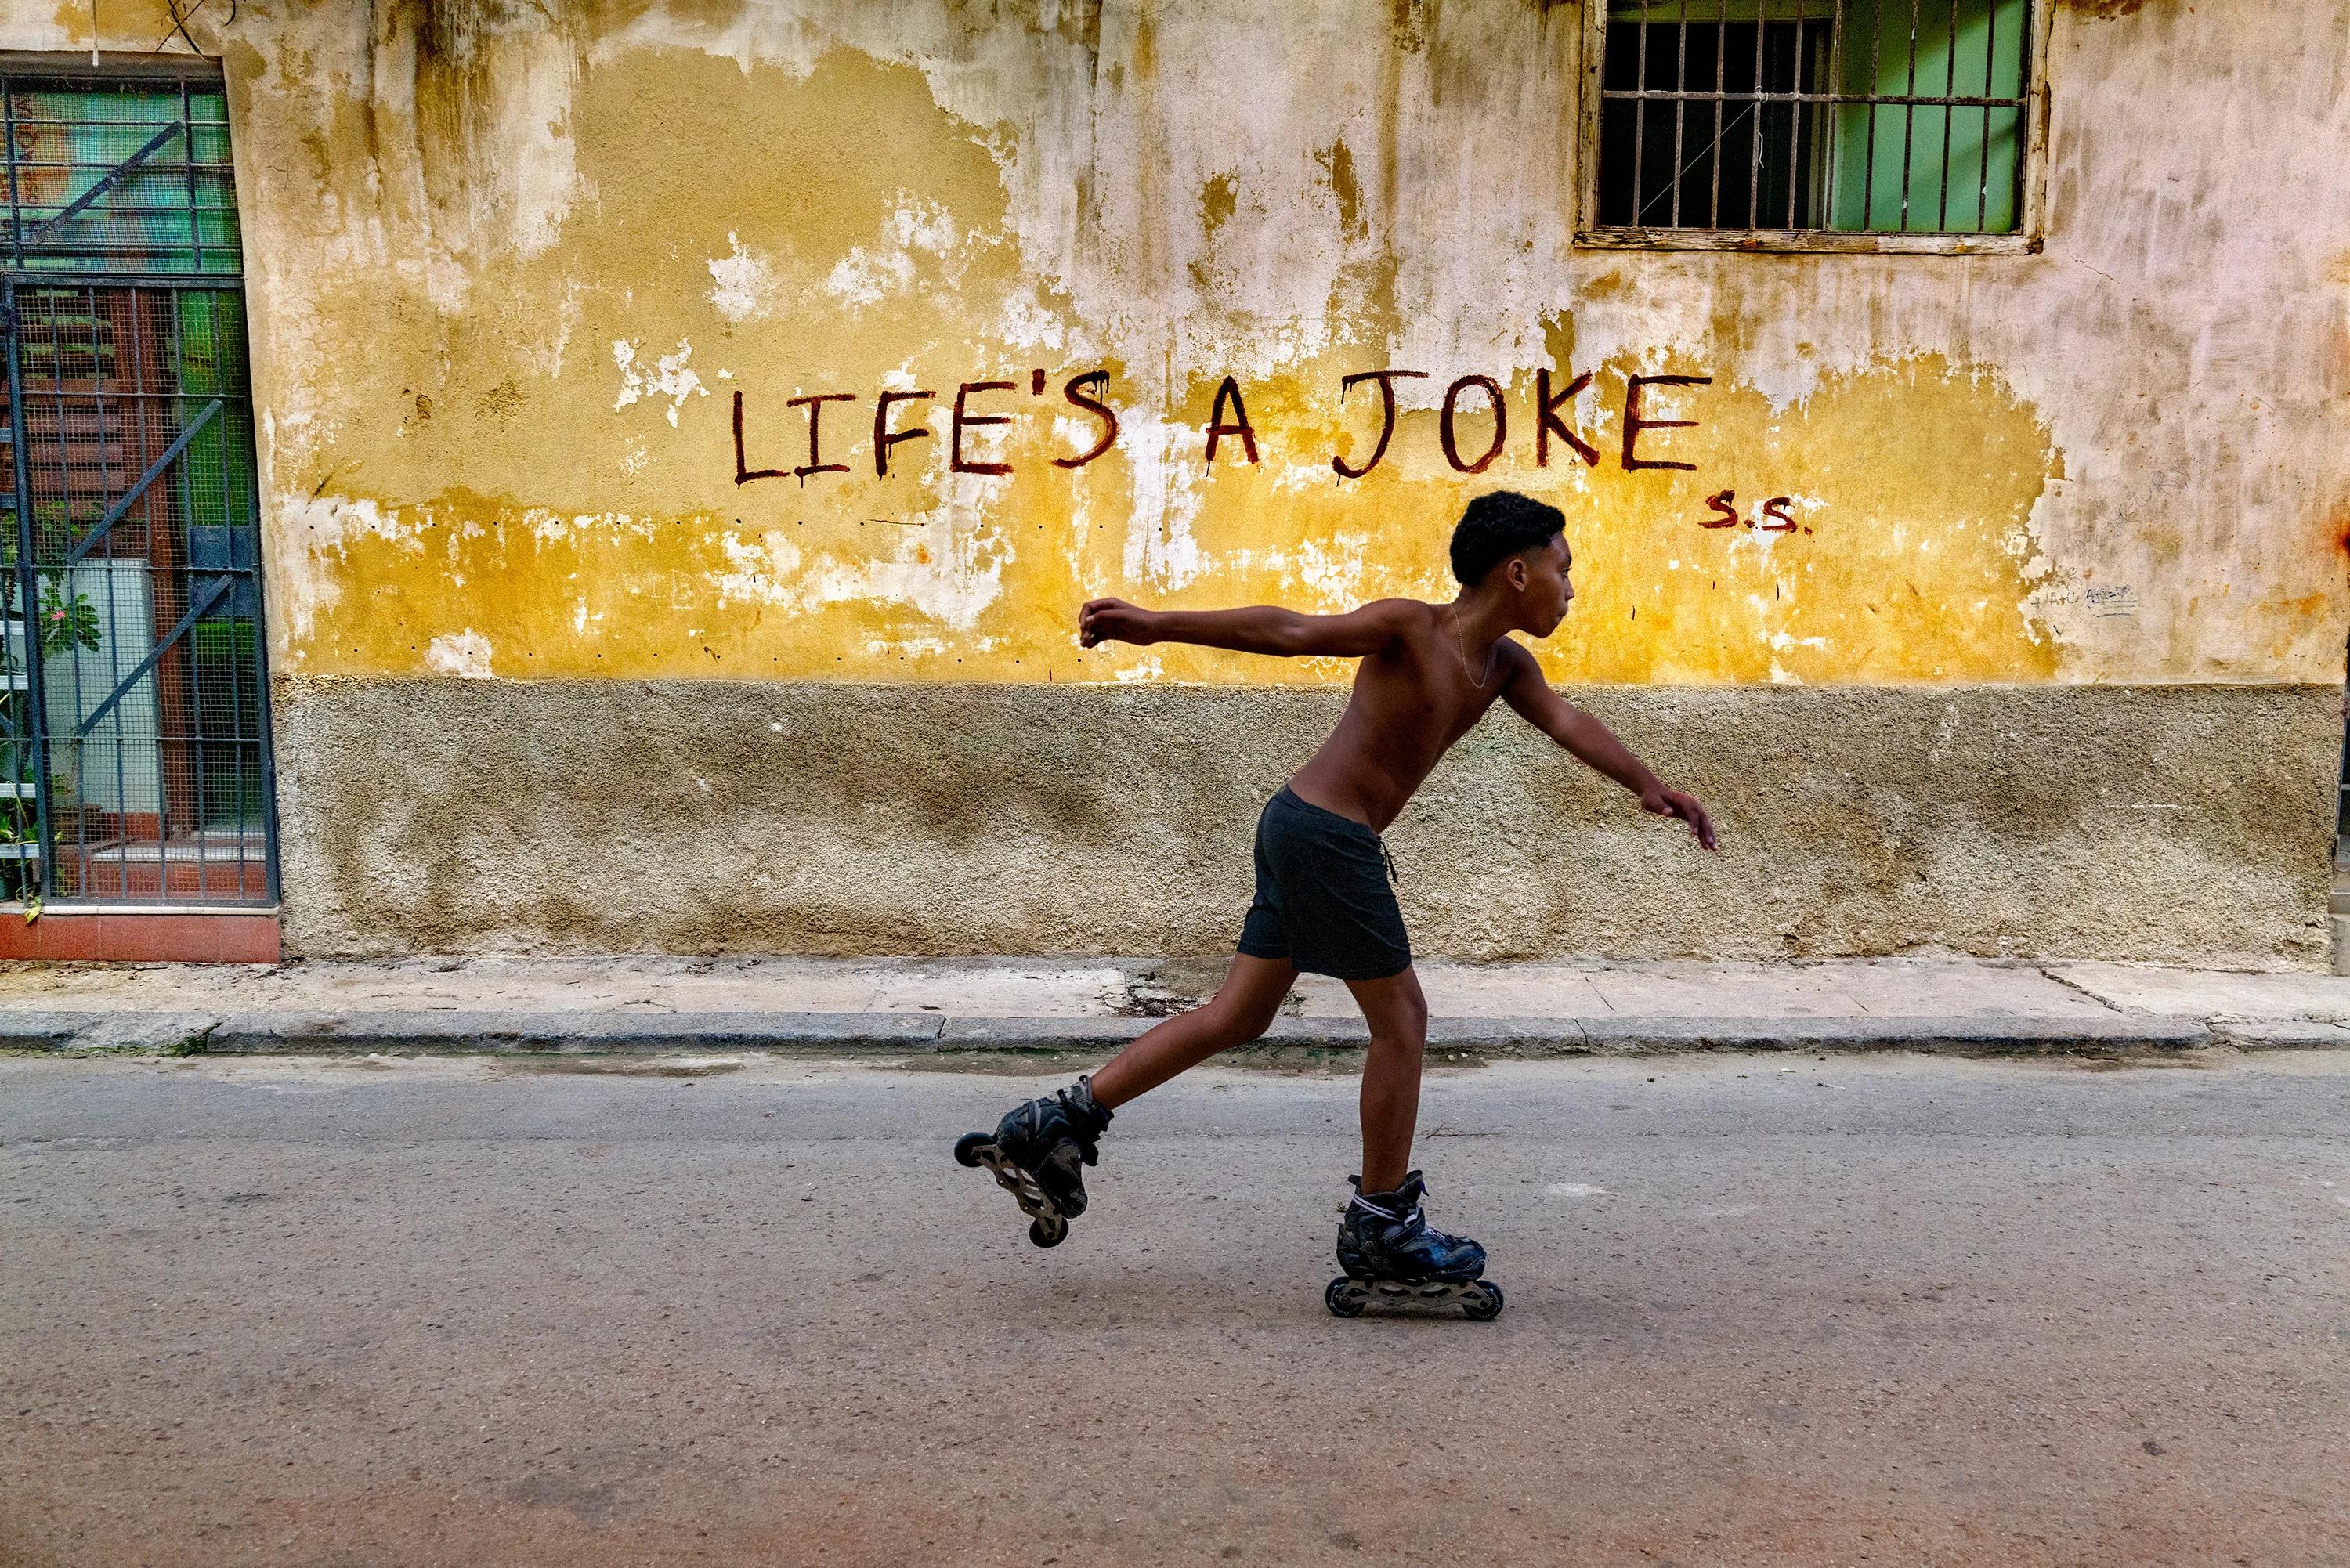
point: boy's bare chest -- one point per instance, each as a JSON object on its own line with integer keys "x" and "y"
{"x": 1417, "y": 704}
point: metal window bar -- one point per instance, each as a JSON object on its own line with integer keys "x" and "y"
{"x": 2342, "y": 813}
{"x": 1991, "y": 68}
{"x": 1836, "y": 63}
{"x": 1950, "y": 85}
{"x": 1640, "y": 111}
{"x": 1754, "y": 119}
{"x": 1876, "y": 75}
{"x": 1721, "y": 84}
{"x": 1783, "y": 102}
{"x": 134, "y": 716}
{"x": 1909, "y": 116}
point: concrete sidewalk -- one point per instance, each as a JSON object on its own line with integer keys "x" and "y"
{"x": 919, "y": 1005}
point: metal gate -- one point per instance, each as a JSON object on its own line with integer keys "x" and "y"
{"x": 134, "y": 723}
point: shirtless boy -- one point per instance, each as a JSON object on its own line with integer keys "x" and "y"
{"x": 1323, "y": 903}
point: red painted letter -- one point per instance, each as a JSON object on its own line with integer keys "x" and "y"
{"x": 1387, "y": 380}
{"x": 1075, "y": 392}
{"x": 1500, "y": 422}
{"x": 815, "y": 406}
{"x": 744, "y": 475}
{"x": 884, "y": 438}
{"x": 1548, "y": 424}
{"x": 1776, "y": 510}
{"x": 963, "y": 422}
{"x": 1217, "y": 427}
{"x": 1634, "y": 424}
{"x": 1721, "y": 501}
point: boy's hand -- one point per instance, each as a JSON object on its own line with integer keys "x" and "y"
{"x": 1673, "y": 803}
{"x": 1114, "y": 620}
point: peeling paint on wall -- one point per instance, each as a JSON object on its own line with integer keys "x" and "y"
{"x": 669, "y": 378}
{"x": 1988, "y": 580}
{"x": 467, "y": 654}
{"x": 1871, "y": 569}
{"x": 2088, "y": 465}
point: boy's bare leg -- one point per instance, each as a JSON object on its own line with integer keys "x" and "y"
{"x": 1242, "y": 1008}
{"x": 1398, "y": 1015}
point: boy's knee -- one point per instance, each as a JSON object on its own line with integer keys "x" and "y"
{"x": 1254, "y": 1023}
{"x": 1237, "y": 1025}
{"x": 1411, "y": 1021}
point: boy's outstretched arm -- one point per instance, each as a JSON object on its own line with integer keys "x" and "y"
{"x": 1262, "y": 628}
{"x": 1594, "y": 743}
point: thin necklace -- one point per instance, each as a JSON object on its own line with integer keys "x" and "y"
{"x": 1460, "y": 647}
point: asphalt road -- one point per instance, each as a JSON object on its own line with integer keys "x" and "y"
{"x": 1760, "y": 1311}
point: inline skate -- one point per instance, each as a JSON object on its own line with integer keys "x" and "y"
{"x": 1037, "y": 1153}
{"x": 1393, "y": 1256}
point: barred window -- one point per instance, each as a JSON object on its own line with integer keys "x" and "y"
{"x": 1784, "y": 117}
{"x": 135, "y": 763}
{"x": 119, "y": 175}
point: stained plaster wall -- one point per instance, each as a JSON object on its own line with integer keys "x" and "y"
{"x": 512, "y": 266}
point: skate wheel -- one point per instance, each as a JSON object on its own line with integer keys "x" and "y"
{"x": 1486, "y": 1309}
{"x": 1342, "y": 1298}
{"x": 1048, "y": 1233}
{"x": 967, "y": 1148}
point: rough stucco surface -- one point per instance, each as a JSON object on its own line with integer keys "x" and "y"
{"x": 2159, "y": 822}
{"x": 510, "y": 265}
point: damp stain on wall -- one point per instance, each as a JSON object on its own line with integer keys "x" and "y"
{"x": 679, "y": 282}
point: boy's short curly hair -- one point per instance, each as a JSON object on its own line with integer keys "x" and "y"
{"x": 1498, "y": 526}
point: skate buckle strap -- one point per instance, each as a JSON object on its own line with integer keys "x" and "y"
{"x": 1078, "y": 1099}
{"x": 1413, "y": 1221}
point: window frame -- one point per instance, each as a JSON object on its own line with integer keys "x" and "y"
{"x": 2031, "y": 196}
{"x": 194, "y": 69}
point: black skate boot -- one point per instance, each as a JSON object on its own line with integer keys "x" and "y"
{"x": 1037, "y": 1153}
{"x": 1391, "y": 1253}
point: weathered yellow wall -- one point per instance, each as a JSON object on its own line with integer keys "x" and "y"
{"x": 2050, "y": 663}
{"x": 510, "y": 274}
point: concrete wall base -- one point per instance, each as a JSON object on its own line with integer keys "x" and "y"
{"x": 2182, "y": 823}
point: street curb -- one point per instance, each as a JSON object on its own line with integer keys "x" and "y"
{"x": 1982, "y": 1034}
{"x": 1037, "y": 1034}
{"x": 107, "y": 1031}
{"x": 407, "y": 1032}
{"x": 573, "y": 1032}
{"x": 2281, "y": 1034}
